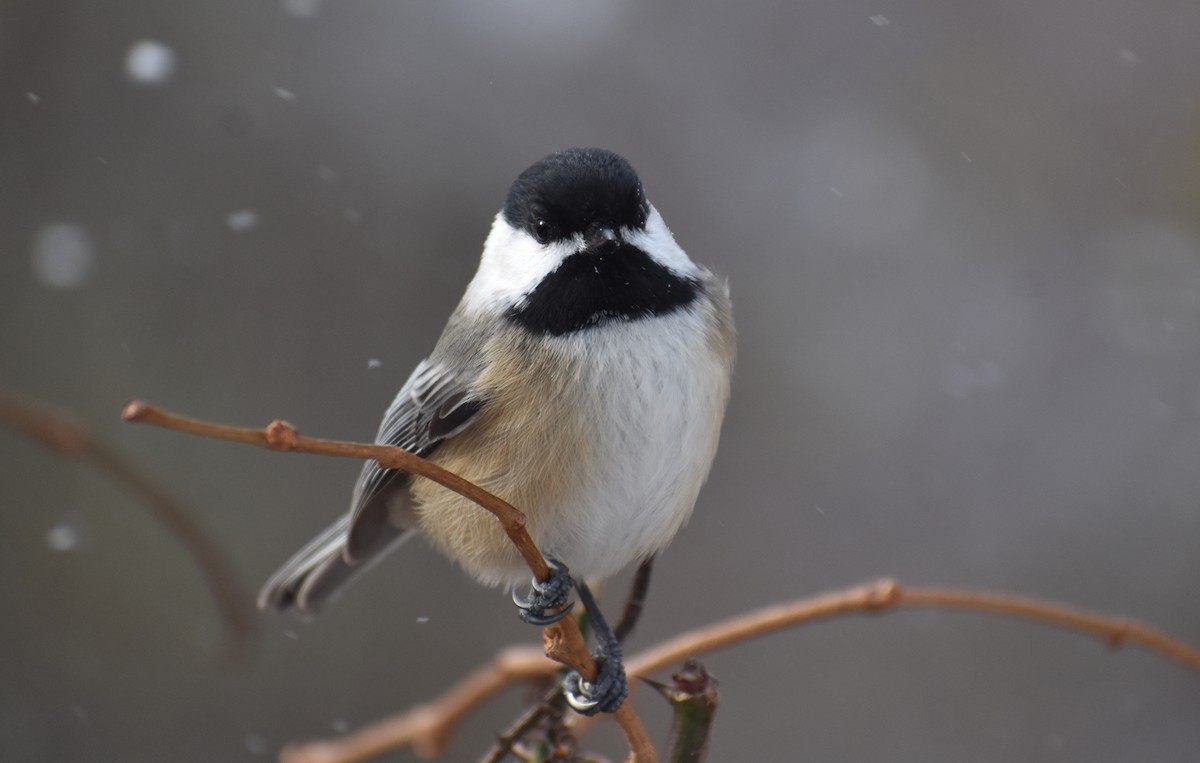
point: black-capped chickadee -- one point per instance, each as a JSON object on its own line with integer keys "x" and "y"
{"x": 583, "y": 378}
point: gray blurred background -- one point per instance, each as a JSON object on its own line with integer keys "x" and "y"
{"x": 964, "y": 247}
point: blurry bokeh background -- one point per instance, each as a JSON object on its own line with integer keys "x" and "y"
{"x": 964, "y": 246}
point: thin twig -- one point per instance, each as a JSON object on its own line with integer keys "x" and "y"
{"x": 428, "y": 728}
{"x": 877, "y": 597}
{"x": 62, "y": 433}
{"x": 886, "y": 595}
{"x": 552, "y": 703}
{"x": 694, "y": 699}
{"x": 280, "y": 435}
{"x": 564, "y": 636}
{"x": 547, "y": 707}
{"x": 563, "y": 642}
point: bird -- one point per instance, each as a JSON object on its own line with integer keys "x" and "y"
{"x": 583, "y": 378}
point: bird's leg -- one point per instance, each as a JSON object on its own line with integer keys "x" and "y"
{"x": 635, "y": 601}
{"x": 547, "y": 602}
{"x": 608, "y": 691}
{"x": 553, "y": 703}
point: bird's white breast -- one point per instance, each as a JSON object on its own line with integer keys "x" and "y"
{"x": 652, "y": 395}
{"x": 602, "y": 437}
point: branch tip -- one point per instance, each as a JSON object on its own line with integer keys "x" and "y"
{"x": 133, "y": 410}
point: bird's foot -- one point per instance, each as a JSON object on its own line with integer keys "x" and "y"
{"x": 607, "y": 692}
{"x": 547, "y": 602}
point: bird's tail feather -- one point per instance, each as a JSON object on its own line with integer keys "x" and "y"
{"x": 317, "y": 572}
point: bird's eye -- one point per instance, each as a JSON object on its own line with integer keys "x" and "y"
{"x": 541, "y": 230}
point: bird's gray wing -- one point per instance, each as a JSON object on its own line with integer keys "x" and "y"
{"x": 434, "y": 404}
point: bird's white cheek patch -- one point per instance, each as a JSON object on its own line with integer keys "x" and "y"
{"x": 658, "y": 242}
{"x": 512, "y": 265}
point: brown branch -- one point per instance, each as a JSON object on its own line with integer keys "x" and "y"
{"x": 280, "y": 435}
{"x": 877, "y": 597}
{"x": 549, "y": 708}
{"x": 553, "y": 704}
{"x": 428, "y": 728}
{"x": 564, "y": 643}
{"x": 62, "y": 433}
{"x": 886, "y": 595}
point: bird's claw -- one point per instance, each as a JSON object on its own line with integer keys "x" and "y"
{"x": 547, "y": 602}
{"x": 606, "y": 693}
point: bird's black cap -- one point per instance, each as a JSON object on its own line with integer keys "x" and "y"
{"x": 593, "y": 192}
{"x": 575, "y": 191}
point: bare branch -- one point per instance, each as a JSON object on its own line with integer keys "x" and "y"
{"x": 694, "y": 699}
{"x": 428, "y": 728}
{"x": 564, "y": 643}
{"x": 877, "y": 597}
{"x": 280, "y": 435}
{"x": 886, "y": 595}
{"x": 549, "y": 708}
{"x": 552, "y": 705}
{"x": 62, "y": 433}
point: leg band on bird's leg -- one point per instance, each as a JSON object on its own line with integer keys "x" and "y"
{"x": 608, "y": 691}
{"x": 547, "y": 602}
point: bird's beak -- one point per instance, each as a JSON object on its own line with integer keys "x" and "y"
{"x": 601, "y": 237}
